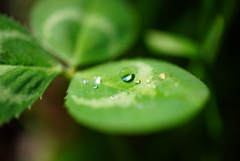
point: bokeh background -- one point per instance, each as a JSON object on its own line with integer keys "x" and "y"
{"x": 48, "y": 133}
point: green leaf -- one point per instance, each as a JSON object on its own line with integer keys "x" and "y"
{"x": 213, "y": 39}
{"x": 83, "y": 32}
{"x": 25, "y": 69}
{"x": 161, "y": 96}
{"x": 171, "y": 44}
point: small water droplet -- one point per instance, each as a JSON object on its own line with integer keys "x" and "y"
{"x": 111, "y": 97}
{"x": 95, "y": 86}
{"x": 126, "y": 75}
{"x": 162, "y": 76}
{"x": 85, "y": 81}
{"x": 98, "y": 80}
{"x": 176, "y": 84}
{"x": 138, "y": 81}
{"x": 114, "y": 97}
{"x": 148, "y": 81}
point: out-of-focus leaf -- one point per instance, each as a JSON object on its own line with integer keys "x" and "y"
{"x": 213, "y": 39}
{"x": 83, "y": 32}
{"x": 25, "y": 69}
{"x": 171, "y": 44}
{"x": 155, "y": 95}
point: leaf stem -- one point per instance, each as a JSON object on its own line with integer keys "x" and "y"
{"x": 69, "y": 72}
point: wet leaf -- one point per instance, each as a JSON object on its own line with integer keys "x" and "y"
{"x": 160, "y": 96}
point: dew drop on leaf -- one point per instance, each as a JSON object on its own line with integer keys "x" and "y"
{"x": 98, "y": 80}
{"x": 162, "y": 76}
{"x": 85, "y": 81}
{"x": 95, "y": 86}
{"x": 114, "y": 97}
{"x": 126, "y": 75}
{"x": 111, "y": 97}
{"x": 148, "y": 81}
{"x": 138, "y": 81}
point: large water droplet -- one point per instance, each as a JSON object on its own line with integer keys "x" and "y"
{"x": 126, "y": 75}
{"x": 95, "y": 86}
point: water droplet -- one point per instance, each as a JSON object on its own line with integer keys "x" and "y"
{"x": 148, "y": 81}
{"x": 85, "y": 81}
{"x": 176, "y": 84}
{"x": 114, "y": 97}
{"x": 98, "y": 80}
{"x": 126, "y": 75}
{"x": 40, "y": 97}
{"x": 138, "y": 81}
{"x": 111, "y": 97}
{"x": 95, "y": 86}
{"x": 162, "y": 76}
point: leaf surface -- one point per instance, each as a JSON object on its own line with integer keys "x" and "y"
{"x": 164, "y": 43}
{"x": 160, "y": 96}
{"x": 83, "y": 32}
{"x": 213, "y": 40}
{"x": 25, "y": 69}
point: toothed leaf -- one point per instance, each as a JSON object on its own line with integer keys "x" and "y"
{"x": 159, "y": 95}
{"x": 25, "y": 69}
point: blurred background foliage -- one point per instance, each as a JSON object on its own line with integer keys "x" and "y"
{"x": 48, "y": 133}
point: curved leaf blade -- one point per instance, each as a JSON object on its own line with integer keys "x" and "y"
{"x": 25, "y": 69}
{"x": 84, "y": 32}
{"x": 164, "y": 43}
{"x": 160, "y": 96}
{"x": 213, "y": 40}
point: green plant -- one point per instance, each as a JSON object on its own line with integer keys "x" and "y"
{"x": 126, "y": 96}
